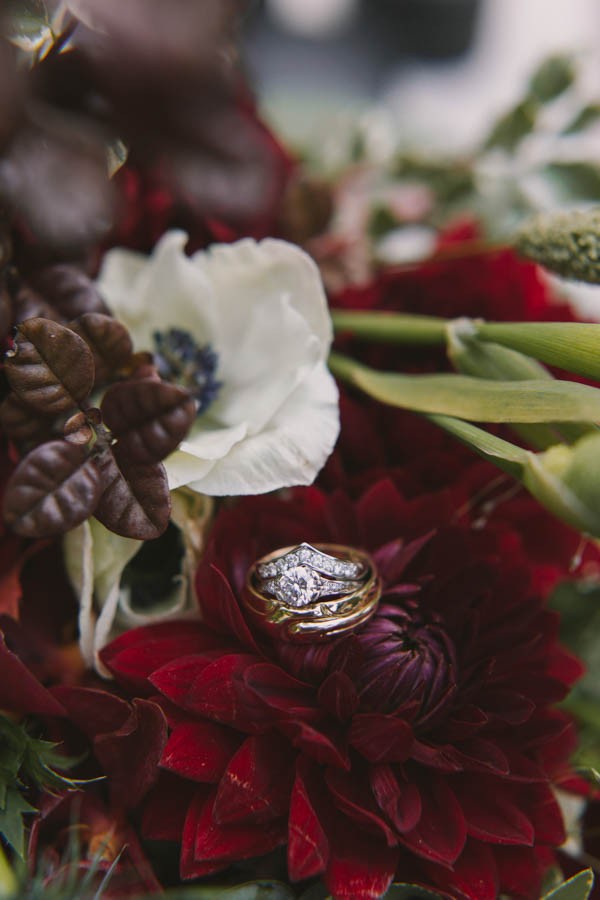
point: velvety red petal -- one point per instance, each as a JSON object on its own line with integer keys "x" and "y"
{"x": 519, "y": 871}
{"x": 509, "y": 706}
{"x": 217, "y": 843}
{"x": 338, "y": 696}
{"x": 175, "y": 678}
{"x": 200, "y": 750}
{"x": 189, "y": 867}
{"x": 165, "y": 808}
{"x": 134, "y": 655}
{"x": 20, "y": 691}
{"x": 93, "y": 711}
{"x": 491, "y": 813}
{"x": 545, "y": 814}
{"x": 474, "y": 875}
{"x": 308, "y": 845}
{"x": 360, "y": 867}
{"x": 257, "y": 783}
{"x": 327, "y": 749}
{"x": 381, "y": 738}
{"x": 130, "y": 756}
{"x": 478, "y": 754}
{"x": 220, "y": 609}
{"x": 352, "y": 795}
{"x": 441, "y": 832}
{"x": 399, "y": 799}
{"x": 280, "y": 691}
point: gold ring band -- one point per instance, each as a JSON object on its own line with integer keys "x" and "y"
{"x": 310, "y": 593}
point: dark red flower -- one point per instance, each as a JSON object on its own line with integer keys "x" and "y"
{"x": 424, "y": 747}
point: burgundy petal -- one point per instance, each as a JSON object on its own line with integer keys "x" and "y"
{"x": 398, "y": 798}
{"x": 257, "y": 783}
{"x": 217, "y": 843}
{"x": 546, "y": 816}
{"x": 338, "y": 696}
{"x": 482, "y": 755}
{"x": 491, "y": 813}
{"x": 134, "y": 655}
{"x": 220, "y": 609}
{"x": 381, "y": 738}
{"x": 441, "y": 832}
{"x": 308, "y": 845}
{"x": 360, "y": 867}
{"x": 20, "y": 691}
{"x": 474, "y": 875}
{"x": 510, "y": 706}
{"x": 280, "y": 691}
{"x": 93, "y": 711}
{"x": 189, "y": 867}
{"x": 352, "y": 795}
{"x": 175, "y": 677}
{"x": 165, "y": 808}
{"x": 200, "y": 750}
{"x": 327, "y": 749}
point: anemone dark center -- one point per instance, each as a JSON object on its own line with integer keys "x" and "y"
{"x": 155, "y": 570}
{"x": 180, "y": 360}
{"x": 408, "y": 664}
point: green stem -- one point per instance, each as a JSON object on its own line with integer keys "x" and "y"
{"x": 393, "y": 328}
{"x": 343, "y": 367}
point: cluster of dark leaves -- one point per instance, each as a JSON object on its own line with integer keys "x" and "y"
{"x": 160, "y": 76}
{"x": 79, "y": 460}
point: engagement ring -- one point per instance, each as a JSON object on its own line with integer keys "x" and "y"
{"x": 307, "y": 593}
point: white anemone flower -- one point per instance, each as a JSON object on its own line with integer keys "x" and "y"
{"x": 262, "y": 309}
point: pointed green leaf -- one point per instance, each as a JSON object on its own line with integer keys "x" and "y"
{"x": 577, "y": 888}
{"x": 588, "y": 115}
{"x": 12, "y": 827}
{"x": 512, "y": 127}
{"x": 574, "y": 182}
{"x": 572, "y": 346}
{"x": 552, "y": 78}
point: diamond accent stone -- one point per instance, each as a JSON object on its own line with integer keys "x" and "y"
{"x": 321, "y": 562}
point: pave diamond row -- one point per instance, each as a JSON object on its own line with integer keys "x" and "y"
{"x": 316, "y": 559}
{"x": 300, "y": 586}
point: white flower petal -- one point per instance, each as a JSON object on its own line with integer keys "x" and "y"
{"x": 79, "y": 563}
{"x": 290, "y": 450}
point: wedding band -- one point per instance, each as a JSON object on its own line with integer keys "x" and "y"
{"x": 310, "y": 592}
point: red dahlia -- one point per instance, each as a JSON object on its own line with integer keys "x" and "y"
{"x": 422, "y": 748}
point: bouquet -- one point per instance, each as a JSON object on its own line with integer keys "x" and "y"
{"x": 299, "y": 561}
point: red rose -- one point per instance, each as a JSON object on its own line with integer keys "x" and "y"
{"x": 423, "y": 747}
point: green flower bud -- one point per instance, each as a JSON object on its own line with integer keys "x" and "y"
{"x": 567, "y": 243}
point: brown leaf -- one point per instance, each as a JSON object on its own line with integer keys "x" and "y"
{"x": 77, "y": 429}
{"x": 51, "y": 368}
{"x": 108, "y": 340}
{"x": 136, "y": 502}
{"x": 69, "y": 290}
{"x": 54, "y": 488}
{"x": 22, "y": 423}
{"x": 149, "y": 418}
{"x": 29, "y": 304}
{"x": 6, "y": 309}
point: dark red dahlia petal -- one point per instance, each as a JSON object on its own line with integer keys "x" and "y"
{"x": 220, "y": 609}
{"x": 474, "y": 876}
{"x": 393, "y": 558}
{"x": 491, "y": 811}
{"x": 444, "y": 758}
{"x": 93, "y": 711}
{"x": 545, "y": 814}
{"x": 20, "y": 691}
{"x": 175, "y": 678}
{"x": 200, "y": 750}
{"x": 308, "y": 845}
{"x": 165, "y": 808}
{"x": 134, "y": 655}
{"x": 509, "y": 706}
{"x": 360, "y": 867}
{"x": 325, "y": 745}
{"x": 217, "y": 843}
{"x": 257, "y": 783}
{"x": 564, "y": 666}
{"x": 130, "y": 756}
{"x": 280, "y": 691}
{"x": 478, "y": 754}
{"x": 338, "y": 696}
{"x": 352, "y": 795}
{"x": 398, "y": 798}
{"x": 520, "y": 871}
{"x": 189, "y": 866}
{"x": 462, "y": 723}
{"x": 381, "y": 738}
{"x": 441, "y": 831}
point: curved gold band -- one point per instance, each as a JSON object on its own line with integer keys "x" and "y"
{"x": 320, "y": 618}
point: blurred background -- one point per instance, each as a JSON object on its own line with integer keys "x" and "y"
{"x": 441, "y": 68}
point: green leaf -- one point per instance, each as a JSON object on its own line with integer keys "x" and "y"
{"x": 568, "y": 345}
{"x": 574, "y": 182}
{"x": 552, "y": 78}
{"x": 12, "y": 827}
{"x": 577, "y": 888}
{"x": 40, "y": 762}
{"x": 512, "y": 127}
{"x": 586, "y": 116}
{"x": 482, "y": 400}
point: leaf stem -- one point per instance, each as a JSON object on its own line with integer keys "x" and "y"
{"x": 393, "y": 328}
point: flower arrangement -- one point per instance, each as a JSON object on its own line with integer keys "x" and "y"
{"x": 299, "y": 565}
